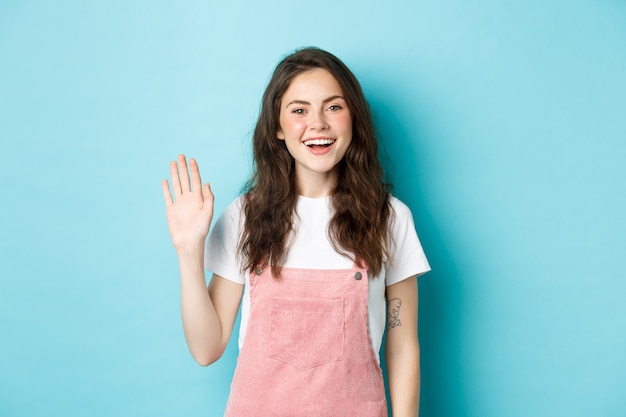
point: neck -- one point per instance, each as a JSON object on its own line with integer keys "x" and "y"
{"x": 315, "y": 185}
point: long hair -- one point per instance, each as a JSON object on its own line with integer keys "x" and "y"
{"x": 360, "y": 199}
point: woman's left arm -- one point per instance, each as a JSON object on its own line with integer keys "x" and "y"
{"x": 402, "y": 351}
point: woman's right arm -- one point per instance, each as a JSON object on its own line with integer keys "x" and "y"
{"x": 208, "y": 315}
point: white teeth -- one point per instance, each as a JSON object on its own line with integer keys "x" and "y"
{"x": 312, "y": 142}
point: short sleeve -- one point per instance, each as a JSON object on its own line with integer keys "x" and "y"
{"x": 220, "y": 253}
{"x": 406, "y": 257}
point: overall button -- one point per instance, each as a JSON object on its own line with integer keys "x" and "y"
{"x": 259, "y": 271}
{"x": 358, "y": 276}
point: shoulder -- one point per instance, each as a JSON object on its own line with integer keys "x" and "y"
{"x": 235, "y": 208}
{"x": 407, "y": 257}
{"x": 397, "y": 204}
{"x": 399, "y": 210}
{"x": 401, "y": 223}
{"x": 229, "y": 221}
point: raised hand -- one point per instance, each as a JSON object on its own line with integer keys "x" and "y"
{"x": 190, "y": 211}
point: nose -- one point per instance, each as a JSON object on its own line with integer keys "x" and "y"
{"x": 318, "y": 120}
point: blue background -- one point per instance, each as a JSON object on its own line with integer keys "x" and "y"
{"x": 505, "y": 125}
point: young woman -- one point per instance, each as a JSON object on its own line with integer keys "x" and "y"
{"x": 314, "y": 251}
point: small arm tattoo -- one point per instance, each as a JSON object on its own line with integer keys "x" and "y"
{"x": 393, "y": 313}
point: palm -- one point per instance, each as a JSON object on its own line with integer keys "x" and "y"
{"x": 190, "y": 212}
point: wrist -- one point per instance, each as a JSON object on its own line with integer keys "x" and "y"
{"x": 190, "y": 251}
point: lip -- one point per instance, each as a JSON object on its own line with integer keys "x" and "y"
{"x": 322, "y": 150}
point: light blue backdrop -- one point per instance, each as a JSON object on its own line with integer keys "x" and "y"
{"x": 506, "y": 126}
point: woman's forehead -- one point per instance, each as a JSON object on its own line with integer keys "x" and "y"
{"x": 313, "y": 85}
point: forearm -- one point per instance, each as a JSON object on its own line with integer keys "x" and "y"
{"x": 403, "y": 370}
{"x": 402, "y": 350}
{"x": 201, "y": 323}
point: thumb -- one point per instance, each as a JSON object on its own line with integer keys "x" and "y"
{"x": 207, "y": 193}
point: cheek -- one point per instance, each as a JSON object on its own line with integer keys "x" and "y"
{"x": 346, "y": 123}
{"x": 293, "y": 125}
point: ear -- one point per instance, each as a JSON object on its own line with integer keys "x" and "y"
{"x": 280, "y": 135}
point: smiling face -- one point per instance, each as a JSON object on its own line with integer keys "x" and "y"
{"x": 316, "y": 125}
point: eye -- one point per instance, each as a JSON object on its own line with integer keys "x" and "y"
{"x": 335, "y": 107}
{"x": 298, "y": 111}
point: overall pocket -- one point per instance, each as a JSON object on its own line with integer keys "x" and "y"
{"x": 307, "y": 332}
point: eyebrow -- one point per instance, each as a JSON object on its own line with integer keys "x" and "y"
{"x": 331, "y": 98}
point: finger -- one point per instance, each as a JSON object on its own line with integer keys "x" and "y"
{"x": 175, "y": 179}
{"x": 207, "y": 194}
{"x": 207, "y": 204}
{"x": 183, "y": 172}
{"x": 167, "y": 196}
{"x": 196, "y": 182}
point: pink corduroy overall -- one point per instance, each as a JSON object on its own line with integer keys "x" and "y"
{"x": 307, "y": 349}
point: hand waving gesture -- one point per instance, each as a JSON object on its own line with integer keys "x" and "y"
{"x": 190, "y": 212}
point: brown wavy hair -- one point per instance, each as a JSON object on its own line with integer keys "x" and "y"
{"x": 360, "y": 199}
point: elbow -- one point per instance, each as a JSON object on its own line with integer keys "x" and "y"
{"x": 202, "y": 361}
{"x": 206, "y": 358}
{"x": 405, "y": 350}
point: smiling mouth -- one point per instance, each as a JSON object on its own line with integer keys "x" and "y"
{"x": 319, "y": 142}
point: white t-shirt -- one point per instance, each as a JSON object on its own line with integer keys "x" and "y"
{"x": 310, "y": 248}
